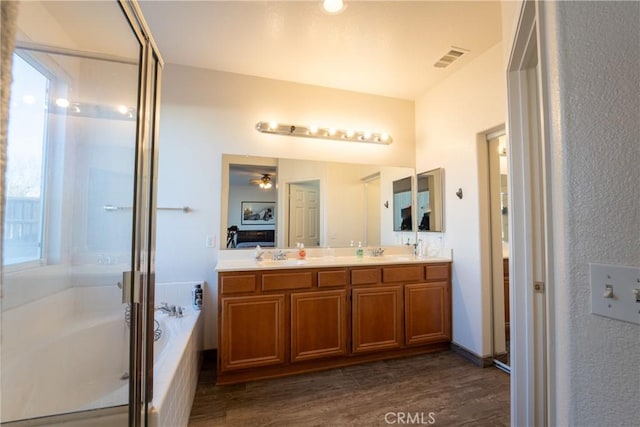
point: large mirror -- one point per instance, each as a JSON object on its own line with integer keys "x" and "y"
{"x": 402, "y": 204}
{"x": 326, "y": 204}
{"x": 430, "y": 206}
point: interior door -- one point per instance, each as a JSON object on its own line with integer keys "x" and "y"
{"x": 304, "y": 213}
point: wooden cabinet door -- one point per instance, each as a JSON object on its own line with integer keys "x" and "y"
{"x": 376, "y": 318}
{"x": 427, "y": 313}
{"x": 253, "y": 331}
{"x": 318, "y": 325}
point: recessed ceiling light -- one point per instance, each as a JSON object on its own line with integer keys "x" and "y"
{"x": 333, "y": 6}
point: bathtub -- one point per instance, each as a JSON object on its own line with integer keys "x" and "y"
{"x": 74, "y": 356}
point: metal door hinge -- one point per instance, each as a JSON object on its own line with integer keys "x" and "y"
{"x": 130, "y": 282}
{"x": 538, "y": 287}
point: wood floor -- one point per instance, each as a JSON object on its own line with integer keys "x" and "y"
{"x": 441, "y": 389}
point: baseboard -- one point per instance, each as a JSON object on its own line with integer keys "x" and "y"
{"x": 482, "y": 362}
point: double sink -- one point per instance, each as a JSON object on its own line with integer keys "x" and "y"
{"x": 340, "y": 260}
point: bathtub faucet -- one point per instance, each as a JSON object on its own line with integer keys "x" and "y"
{"x": 171, "y": 310}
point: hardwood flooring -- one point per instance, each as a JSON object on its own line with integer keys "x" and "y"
{"x": 440, "y": 389}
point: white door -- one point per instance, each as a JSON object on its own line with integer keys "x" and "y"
{"x": 304, "y": 214}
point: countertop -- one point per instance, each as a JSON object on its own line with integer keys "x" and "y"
{"x": 323, "y": 262}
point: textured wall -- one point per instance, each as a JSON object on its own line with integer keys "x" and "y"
{"x": 594, "y": 92}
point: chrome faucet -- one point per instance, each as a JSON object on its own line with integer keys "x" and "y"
{"x": 169, "y": 309}
{"x": 374, "y": 252}
{"x": 279, "y": 255}
{"x": 417, "y": 248}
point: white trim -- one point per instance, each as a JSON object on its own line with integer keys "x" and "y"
{"x": 530, "y": 225}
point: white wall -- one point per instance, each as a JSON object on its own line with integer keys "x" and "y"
{"x": 592, "y": 56}
{"x": 449, "y": 118}
{"x": 206, "y": 113}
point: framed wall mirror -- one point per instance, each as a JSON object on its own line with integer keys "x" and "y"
{"x": 430, "y": 206}
{"x": 349, "y": 202}
{"x": 402, "y": 205}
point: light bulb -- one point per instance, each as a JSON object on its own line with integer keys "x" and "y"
{"x": 384, "y": 136}
{"x": 273, "y": 125}
{"x": 332, "y": 131}
{"x": 122, "y": 109}
{"x": 313, "y": 129}
{"x": 62, "y": 102}
{"x": 350, "y": 133}
{"x": 333, "y": 6}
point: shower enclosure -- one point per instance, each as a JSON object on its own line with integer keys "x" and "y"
{"x": 78, "y": 232}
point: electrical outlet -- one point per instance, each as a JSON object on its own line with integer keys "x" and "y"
{"x": 210, "y": 241}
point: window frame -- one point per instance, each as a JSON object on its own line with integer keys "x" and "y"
{"x": 52, "y": 84}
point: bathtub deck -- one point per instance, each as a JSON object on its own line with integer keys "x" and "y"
{"x": 445, "y": 384}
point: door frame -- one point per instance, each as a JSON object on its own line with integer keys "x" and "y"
{"x": 530, "y": 225}
{"x": 141, "y": 290}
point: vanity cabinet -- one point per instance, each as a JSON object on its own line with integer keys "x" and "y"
{"x": 427, "y": 307}
{"x": 318, "y": 324}
{"x": 252, "y": 331}
{"x": 426, "y": 314}
{"x": 377, "y": 318}
{"x": 275, "y": 322}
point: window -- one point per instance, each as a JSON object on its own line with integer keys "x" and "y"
{"x": 25, "y": 174}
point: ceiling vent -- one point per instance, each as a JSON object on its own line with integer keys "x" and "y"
{"x": 450, "y": 57}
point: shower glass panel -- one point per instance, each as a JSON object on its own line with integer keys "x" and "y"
{"x": 69, "y": 226}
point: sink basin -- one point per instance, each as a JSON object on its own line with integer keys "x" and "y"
{"x": 282, "y": 263}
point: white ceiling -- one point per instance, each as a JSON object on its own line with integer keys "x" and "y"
{"x": 379, "y": 47}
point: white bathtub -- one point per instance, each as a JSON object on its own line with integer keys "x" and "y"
{"x": 68, "y": 352}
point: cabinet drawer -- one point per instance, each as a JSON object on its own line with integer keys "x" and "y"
{"x": 283, "y": 281}
{"x": 405, "y": 273}
{"x": 237, "y": 284}
{"x": 437, "y": 271}
{"x": 332, "y": 278}
{"x": 365, "y": 276}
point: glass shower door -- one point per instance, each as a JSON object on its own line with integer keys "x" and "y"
{"x": 79, "y": 213}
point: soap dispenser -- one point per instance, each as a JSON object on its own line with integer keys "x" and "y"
{"x": 301, "y": 252}
{"x": 359, "y": 251}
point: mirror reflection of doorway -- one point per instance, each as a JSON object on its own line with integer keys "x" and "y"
{"x": 498, "y": 193}
{"x": 304, "y": 213}
{"x": 372, "y": 209}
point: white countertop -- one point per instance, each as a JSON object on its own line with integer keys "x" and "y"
{"x": 322, "y": 262}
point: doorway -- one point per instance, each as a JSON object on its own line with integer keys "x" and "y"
{"x": 372, "y": 210}
{"x": 499, "y": 238}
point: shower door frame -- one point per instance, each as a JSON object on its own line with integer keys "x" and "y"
{"x": 141, "y": 292}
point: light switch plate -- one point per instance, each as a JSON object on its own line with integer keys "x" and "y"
{"x": 612, "y": 292}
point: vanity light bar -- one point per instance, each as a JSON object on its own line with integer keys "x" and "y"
{"x": 324, "y": 133}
